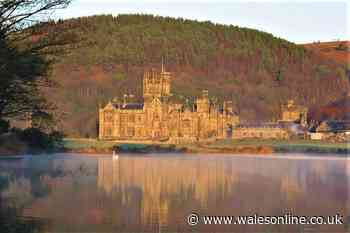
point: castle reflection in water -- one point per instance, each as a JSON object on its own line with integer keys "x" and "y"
{"x": 160, "y": 181}
{"x": 155, "y": 193}
{"x": 167, "y": 189}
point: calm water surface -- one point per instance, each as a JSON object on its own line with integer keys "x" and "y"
{"x": 156, "y": 193}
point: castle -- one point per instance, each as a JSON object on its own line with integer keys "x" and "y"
{"x": 294, "y": 113}
{"x": 293, "y": 123}
{"x": 160, "y": 118}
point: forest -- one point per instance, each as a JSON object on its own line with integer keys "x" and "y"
{"x": 256, "y": 70}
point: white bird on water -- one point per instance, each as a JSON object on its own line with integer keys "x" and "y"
{"x": 115, "y": 155}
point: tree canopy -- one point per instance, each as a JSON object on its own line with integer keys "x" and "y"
{"x": 25, "y": 60}
{"x": 254, "y": 69}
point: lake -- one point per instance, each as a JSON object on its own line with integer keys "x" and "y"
{"x": 157, "y": 193}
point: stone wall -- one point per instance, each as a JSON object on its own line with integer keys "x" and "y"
{"x": 331, "y": 137}
{"x": 260, "y": 132}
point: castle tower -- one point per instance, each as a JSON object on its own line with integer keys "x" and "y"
{"x": 294, "y": 113}
{"x": 156, "y": 85}
{"x": 203, "y": 102}
{"x": 228, "y": 107}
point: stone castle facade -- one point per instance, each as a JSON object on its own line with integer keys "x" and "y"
{"x": 160, "y": 118}
{"x": 294, "y": 113}
{"x": 293, "y": 123}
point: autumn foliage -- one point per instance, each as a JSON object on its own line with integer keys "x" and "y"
{"x": 254, "y": 69}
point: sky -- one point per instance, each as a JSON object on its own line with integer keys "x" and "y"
{"x": 295, "y": 20}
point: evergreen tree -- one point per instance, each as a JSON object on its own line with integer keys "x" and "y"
{"x": 279, "y": 75}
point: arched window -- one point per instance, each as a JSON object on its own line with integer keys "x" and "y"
{"x": 131, "y": 131}
{"x": 108, "y": 116}
{"x": 132, "y": 118}
{"x": 109, "y": 132}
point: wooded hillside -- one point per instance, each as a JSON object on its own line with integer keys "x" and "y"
{"x": 336, "y": 50}
{"x": 256, "y": 70}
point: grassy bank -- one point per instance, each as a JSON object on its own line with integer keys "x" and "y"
{"x": 222, "y": 146}
{"x": 96, "y": 146}
{"x": 284, "y": 146}
{"x": 12, "y": 144}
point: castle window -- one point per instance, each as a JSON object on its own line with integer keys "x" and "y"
{"x": 108, "y": 116}
{"x": 122, "y": 131}
{"x": 138, "y": 132}
{"x": 108, "y": 132}
{"x": 131, "y": 118}
{"x": 131, "y": 131}
{"x": 156, "y": 134}
{"x": 156, "y": 117}
{"x": 123, "y": 118}
{"x": 186, "y": 123}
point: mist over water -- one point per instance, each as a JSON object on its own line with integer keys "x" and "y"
{"x": 156, "y": 193}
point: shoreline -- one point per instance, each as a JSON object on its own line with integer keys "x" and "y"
{"x": 91, "y": 147}
{"x": 286, "y": 155}
{"x": 245, "y": 152}
{"x": 262, "y": 147}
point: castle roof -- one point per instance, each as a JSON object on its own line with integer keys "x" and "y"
{"x": 221, "y": 110}
{"x": 291, "y": 106}
{"x": 294, "y": 108}
{"x": 129, "y": 106}
{"x": 280, "y": 125}
{"x": 334, "y": 126}
{"x": 259, "y": 125}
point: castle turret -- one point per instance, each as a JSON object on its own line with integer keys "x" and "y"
{"x": 294, "y": 113}
{"x": 203, "y": 102}
{"x": 228, "y": 107}
{"x": 156, "y": 84}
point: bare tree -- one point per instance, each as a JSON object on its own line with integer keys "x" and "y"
{"x": 15, "y": 15}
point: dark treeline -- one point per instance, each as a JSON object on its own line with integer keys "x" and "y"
{"x": 25, "y": 67}
{"x": 256, "y": 70}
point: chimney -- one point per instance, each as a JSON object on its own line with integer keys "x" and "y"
{"x": 125, "y": 100}
{"x": 205, "y": 93}
{"x": 228, "y": 106}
